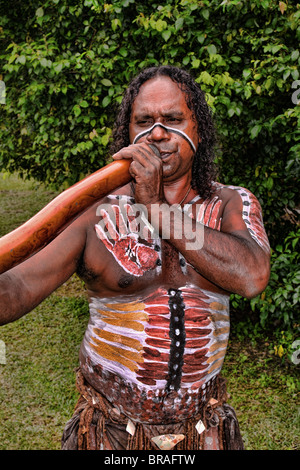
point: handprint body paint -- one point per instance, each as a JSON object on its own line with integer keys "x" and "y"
{"x": 126, "y": 233}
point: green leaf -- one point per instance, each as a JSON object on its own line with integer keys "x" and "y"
{"x": 196, "y": 63}
{"x": 205, "y": 13}
{"x": 123, "y": 51}
{"x": 212, "y": 49}
{"x": 206, "y": 78}
{"x": 58, "y": 67}
{"x": 160, "y": 25}
{"x": 201, "y": 38}
{"x": 90, "y": 54}
{"x": 247, "y": 92}
{"x": 106, "y": 82}
{"x": 179, "y": 23}
{"x": 269, "y": 83}
{"x": 84, "y": 104}
{"x": 166, "y": 34}
{"x": 77, "y": 110}
{"x": 115, "y": 23}
{"x": 106, "y": 101}
{"x": 236, "y": 59}
{"x": 286, "y": 74}
{"x": 269, "y": 183}
{"x": 246, "y": 73}
{"x": 39, "y": 12}
{"x": 105, "y": 139}
{"x": 22, "y": 59}
{"x": 255, "y": 131}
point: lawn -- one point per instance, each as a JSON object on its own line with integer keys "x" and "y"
{"x": 37, "y": 378}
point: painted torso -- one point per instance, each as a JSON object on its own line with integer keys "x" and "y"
{"x": 155, "y": 352}
{"x": 153, "y": 357}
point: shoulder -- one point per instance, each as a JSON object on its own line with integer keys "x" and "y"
{"x": 239, "y": 199}
{"x": 234, "y": 193}
{"x": 240, "y": 203}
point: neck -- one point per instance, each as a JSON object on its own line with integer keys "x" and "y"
{"x": 179, "y": 192}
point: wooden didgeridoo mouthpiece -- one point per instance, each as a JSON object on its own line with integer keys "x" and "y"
{"x": 42, "y": 228}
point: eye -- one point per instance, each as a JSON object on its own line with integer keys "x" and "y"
{"x": 145, "y": 122}
{"x": 173, "y": 120}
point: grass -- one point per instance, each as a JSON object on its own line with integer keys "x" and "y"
{"x": 37, "y": 383}
{"x": 19, "y": 201}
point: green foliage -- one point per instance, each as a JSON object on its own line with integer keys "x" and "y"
{"x": 279, "y": 304}
{"x": 65, "y": 65}
{"x": 277, "y": 308}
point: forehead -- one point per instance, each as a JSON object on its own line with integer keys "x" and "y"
{"x": 160, "y": 94}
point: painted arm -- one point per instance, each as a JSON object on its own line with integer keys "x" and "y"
{"x": 23, "y": 287}
{"x": 236, "y": 258}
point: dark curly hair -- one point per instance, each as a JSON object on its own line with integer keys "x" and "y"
{"x": 204, "y": 170}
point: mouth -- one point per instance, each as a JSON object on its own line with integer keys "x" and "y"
{"x": 162, "y": 153}
{"x": 165, "y": 154}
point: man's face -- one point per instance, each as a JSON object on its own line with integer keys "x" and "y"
{"x": 160, "y": 101}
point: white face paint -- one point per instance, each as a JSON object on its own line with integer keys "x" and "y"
{"x": 168, "y": 129}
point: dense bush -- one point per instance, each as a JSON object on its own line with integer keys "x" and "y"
{"x": 65, "y": 65}
{"x": 280, "y": 302}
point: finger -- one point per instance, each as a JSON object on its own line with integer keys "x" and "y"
{"x": 103, "y": 237}
{"x": 140, "y": 152}
{"x": 109, "y": 223}
{"x": 121, "y": 223}
{"x": 125, "y": 152}
{"x": 200, "y": 214}
{"x": 133, "y": 227}
{"x": 148, "y": 154}
{"x": 144, "y": 166}
{"x": 148, "y": 231}
{"x": 155, "y": 150}
{"x": 136, "y": 168}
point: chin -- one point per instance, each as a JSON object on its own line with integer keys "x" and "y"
{"x": 170, "y": 173}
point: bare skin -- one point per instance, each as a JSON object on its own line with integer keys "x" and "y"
{"x": 230, "y": 261}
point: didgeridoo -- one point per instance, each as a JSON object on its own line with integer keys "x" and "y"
{"x": 42, "y": 228}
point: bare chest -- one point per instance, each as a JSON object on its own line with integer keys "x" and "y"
{"x": 132, "y": 266}
{"x": 123, "y": 254}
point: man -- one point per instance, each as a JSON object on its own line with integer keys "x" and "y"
{"x": 159, "y": 258}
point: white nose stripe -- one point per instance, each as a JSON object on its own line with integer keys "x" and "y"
{"x": 169, "y": 129}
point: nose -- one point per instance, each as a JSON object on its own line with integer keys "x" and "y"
{"x": 158, "y": 133}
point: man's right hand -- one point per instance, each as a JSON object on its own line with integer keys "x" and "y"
{"x": 146, "y": 169}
